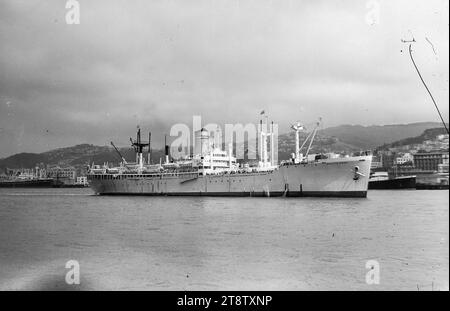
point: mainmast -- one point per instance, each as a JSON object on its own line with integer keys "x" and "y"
{"x": 266, "y": 131}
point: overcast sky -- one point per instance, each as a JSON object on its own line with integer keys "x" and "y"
{"x": 156, "y": 63}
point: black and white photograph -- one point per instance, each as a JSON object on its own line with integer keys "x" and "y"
{"x": 208, "y": 147}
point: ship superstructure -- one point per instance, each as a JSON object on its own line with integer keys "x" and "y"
{"x": 212, "y": 171}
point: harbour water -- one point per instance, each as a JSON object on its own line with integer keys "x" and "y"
{"x": 200, "y": 243}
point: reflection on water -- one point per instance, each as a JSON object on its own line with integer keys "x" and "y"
{"x": 188, "y": 243}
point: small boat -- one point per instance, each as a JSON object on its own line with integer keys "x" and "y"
{"x": 27, "y": 183}
{"x": 381, "y": 180}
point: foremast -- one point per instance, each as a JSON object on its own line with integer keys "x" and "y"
{"x": 139, "y": 146}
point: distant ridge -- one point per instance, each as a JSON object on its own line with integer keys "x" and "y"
{"x": 343, "y": 138}
{"x": 77, "y": 156}
{"x": 370, "y": 137}
{"x": 428, "y": 134}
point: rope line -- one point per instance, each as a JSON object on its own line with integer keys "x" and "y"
{"x": 432, "y": 98}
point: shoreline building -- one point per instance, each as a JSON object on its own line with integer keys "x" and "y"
{"x": 405, "y": 158}
{"x": 430, "y": 161}
{"x": 62, "y": 175}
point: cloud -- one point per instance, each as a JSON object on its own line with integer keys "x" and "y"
{"x": 157, "y": 63}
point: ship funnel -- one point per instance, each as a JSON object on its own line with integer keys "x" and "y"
{"x": 202, "y": 142}
{"x": 149, "y": 153}
{"x": 166, "y": 149}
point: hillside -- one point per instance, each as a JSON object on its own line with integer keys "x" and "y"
{"x": 77, "y": 156}
{"x": 370, "y": 137}
{"x": 322, "y": 144}
{"x": 25, "y": 160}
{"x": 428, "y": 134}
{"x": 340, "y": 139}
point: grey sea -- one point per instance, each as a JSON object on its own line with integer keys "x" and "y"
{"x": 191, "y": 243}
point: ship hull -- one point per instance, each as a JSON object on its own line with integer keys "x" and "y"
{"x": 395, "y": 183}
{"x": 43, "y": 183}
{"x": 323, "y": 179}
{"x": 343, "y": 194}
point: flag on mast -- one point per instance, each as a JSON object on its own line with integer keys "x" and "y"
{"x": 262, "y": 112}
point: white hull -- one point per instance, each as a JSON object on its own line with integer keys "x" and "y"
{"x": 335, "y": 177}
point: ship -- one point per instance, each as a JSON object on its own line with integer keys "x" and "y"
{"x": 27, "y": 183}
{"x": 381, "y": 180}
{"x": 212, "y": 171}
